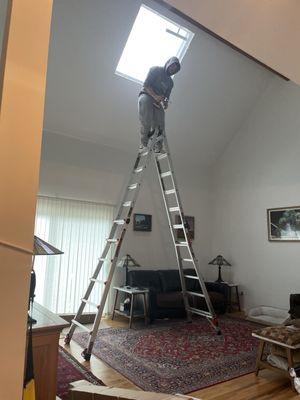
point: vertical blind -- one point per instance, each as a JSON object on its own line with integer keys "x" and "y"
{"x": 79, "y": 229}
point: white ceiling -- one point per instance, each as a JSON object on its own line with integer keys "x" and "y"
{"x": 213, "y": 94}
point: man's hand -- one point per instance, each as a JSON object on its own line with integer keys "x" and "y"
{"x": 156, "y": 97}
{"x": 165, "y": 104}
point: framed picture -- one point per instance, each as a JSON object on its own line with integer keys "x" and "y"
{"x": 142, "y": 222}
{"x": 284, "y": 224}
{"x": 190, "y": 222}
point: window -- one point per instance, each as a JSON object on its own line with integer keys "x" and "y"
{"x": 152, "y": 41}
{"x": 79, "y": 229}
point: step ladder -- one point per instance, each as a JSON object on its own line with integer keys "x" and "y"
{"x": 183, "y": 248}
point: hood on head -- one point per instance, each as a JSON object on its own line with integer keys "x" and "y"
{"x": 171, "y": 61}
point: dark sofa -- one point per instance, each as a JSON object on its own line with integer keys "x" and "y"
{"x": 165, "y": 298}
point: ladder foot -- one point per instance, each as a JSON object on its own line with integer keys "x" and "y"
{"x": 86, "y": 355}
{"x": 67, "y": 339}
{"x": 215, "y": 324}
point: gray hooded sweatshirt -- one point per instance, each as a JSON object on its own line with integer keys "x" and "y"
{"x": 159, "y": 79}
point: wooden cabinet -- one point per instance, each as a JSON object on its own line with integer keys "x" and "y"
{"x": 45, "y": 351}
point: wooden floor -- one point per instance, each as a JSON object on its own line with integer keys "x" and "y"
{"x": 268, "y": 385}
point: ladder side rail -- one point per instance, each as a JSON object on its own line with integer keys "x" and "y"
{"x": 88, "y": 350}
{"x": 113, "y": 230}
{"x": 177, "y": 250}
{"x": 186, "y": 232}
{"x": 82, "y": 305}
{"x": 123, "y": 198}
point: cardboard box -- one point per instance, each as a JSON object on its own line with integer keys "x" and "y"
{"x": 83, "y": 390}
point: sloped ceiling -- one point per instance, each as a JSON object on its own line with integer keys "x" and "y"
{"x": 213, "y": 94}
{"x": 269, "y": 30}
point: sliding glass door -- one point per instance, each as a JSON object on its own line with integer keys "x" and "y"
{"x": 79, "y": 229}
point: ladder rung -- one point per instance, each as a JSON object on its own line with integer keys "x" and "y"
{"x": 159, "y": 138}
{"x": 80, "y": 325}
{"x": 139, "y": 169}
{"x": 145, "y": 153}
{"x": 195, "y": 294}
{"x": 90, "y": 303}
{"x": 188, "y": 259}
{"x": 170, "y": 191}
{"x": 127, "y": 204}
{"x": 119, "y": 221}
{"x": 178, "y": 226}
{"x": 173, "y": 209}
{"x": 97, "y": 280}
{"x": 165, "y": 174}
{"x": 191, "y": 277}
{"x": 133, "y": 186}
{"x": 181, "y": 244}
{"x": 112, "y": 240}
{"x": 200, "y": 312}
{"x": 162, "y": 156}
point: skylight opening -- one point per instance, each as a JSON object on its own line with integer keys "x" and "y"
{"x": 152, "y": 41}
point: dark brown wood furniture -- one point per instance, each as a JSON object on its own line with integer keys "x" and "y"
{"x": 45, "y": 339}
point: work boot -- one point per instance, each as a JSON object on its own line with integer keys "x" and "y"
{"x": 158, "y": 149}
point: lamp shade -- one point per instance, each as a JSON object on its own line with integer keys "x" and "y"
{"x": 219, "y": 260}
{"x": 127, "y": 261}
{"x": 42, "y": 248}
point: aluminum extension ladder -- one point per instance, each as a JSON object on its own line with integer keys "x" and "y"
{"x": 183, "y": 249}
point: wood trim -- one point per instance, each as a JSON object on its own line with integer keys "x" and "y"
{"x": 87, "y": 318}
{"x": 4, "y": 47}
{"x": 216, "y": 36}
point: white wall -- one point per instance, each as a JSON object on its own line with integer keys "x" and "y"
{"x": 75, "y": 169}
{"x": 260, "y": 170}
{"x": 213, "y": 93}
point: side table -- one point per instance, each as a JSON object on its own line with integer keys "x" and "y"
{"x": 233, "y": 288}
{"x": 237, "y": 297}
{"x": 133, "y": 292}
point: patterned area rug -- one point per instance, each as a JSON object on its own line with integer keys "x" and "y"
{"x": 70, "y": 370}
{"x": 178, "y": 357}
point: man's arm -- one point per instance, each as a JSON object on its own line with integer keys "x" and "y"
{"x": 157, "y": 98}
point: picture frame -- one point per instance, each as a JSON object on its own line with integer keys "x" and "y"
{"x": 142, "y": 222}
{"x": 190, "y": 221}
{"x": 284, "y": 224}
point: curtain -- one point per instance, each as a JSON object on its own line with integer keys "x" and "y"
{"x": 79, "y": 229}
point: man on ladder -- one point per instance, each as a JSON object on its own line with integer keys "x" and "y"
{"x": 154, "y": 99}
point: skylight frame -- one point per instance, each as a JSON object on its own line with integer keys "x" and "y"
{"x": 180, "y": 52}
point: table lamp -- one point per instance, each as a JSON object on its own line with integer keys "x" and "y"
{"x": 219, "y": 261}
{"x": 40, "y": 248}
{"x": 127, "y": 262}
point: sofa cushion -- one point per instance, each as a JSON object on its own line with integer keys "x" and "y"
{"x": 145, "y": 278}
{"x": 169, "y": 300}
{"x": 170, "y": 280}
{"x": 281, "y": 334}
{"x": 191, "y": 284}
